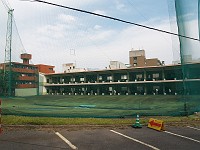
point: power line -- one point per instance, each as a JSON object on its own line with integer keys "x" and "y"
{"x": 112, "y": 18}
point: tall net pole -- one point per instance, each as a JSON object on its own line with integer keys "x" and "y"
{"x": 8, "y": 49}
{"x": 181, "y": 29}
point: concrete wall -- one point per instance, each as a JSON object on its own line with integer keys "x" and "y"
{"x": 117, "y": 65}
{"x": 138, "y": 62}
{"x": 45, "y": 68}
{"x": 42, "y": 82}
{"x": 152, "y": 62}
{"x": 135, "y": 53}
{"x": 26, "y": 92}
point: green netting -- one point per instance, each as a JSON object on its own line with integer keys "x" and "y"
{"x": 98, "y": 106}
{"x": 187, "y": 21}
{"x": 187, "y": 16}
{"x": 187, "y": 100}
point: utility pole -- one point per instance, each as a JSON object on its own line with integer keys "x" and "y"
{"x": 8, "y": 52}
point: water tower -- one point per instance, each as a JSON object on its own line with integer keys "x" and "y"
{"x": 26, "y": 57}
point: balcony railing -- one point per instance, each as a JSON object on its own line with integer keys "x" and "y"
{"x": 23, "y": 70}
{"x": 27, "y": 78}
{"x": 26, "y": 86}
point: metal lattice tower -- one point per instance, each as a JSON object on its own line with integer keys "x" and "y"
{"x": 8, "y": 49}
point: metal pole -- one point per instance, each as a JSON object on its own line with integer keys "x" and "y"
{"x": 8, "y": 53}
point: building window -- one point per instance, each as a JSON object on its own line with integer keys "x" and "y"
{"x": 139, "y": 76}
{"x": 110, "y": 88}
{"x": 109, "y": 78}
{"x": 155, "y": 75}
{"x": 82, "y": 79}
{"x": 135, "y": 60}
{"x": 100, "y": 78}
{"x": 124, "y": 77}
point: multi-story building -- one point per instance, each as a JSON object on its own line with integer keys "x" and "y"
{"x": 145, "y": 76}
{"x": 146, "y": 79}
{"x": 27, "y": 75}
{"x": 138, "y": 59}
{"x": 131, "y": 81}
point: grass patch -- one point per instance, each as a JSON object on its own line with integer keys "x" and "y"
{"x": 19, "y": 120}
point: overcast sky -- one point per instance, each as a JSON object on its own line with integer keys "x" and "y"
{"x": 56, "y": 36}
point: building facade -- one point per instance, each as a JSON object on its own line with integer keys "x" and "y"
{"x": 45, "y": 68}
{"x": 117, "y": 65}
{"x": 26, "y": 75}
{"x": 163, "y": 80}
{"x": 137, "y": 58}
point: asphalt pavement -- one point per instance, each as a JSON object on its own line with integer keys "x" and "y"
{"x": 128, "y": 138}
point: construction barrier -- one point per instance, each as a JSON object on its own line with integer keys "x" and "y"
{"x": 156, "y": 124}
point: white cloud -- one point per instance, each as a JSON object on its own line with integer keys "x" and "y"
{"x": 95, "y": 48}
{"x": 120, "y": 6}
{"x": 52, "y": 31}
{"x": 101, "y": 12}
{"x": 72, "y": 2}
{"x": 49, "y": 33}
{"x": 97, "y": 27}
{"x": 117, "y": 47}
{"x": 101, "y": 35}
{"x": 67, "y": 18}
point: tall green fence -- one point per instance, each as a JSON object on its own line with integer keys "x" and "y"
{"x": 187, "y": 14}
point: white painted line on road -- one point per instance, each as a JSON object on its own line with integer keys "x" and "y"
{"x": 135, "y": 140}
{"x": 182, "y": 136}
{"x": 193, "y": 128}
{"x": 66, "y": 141}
